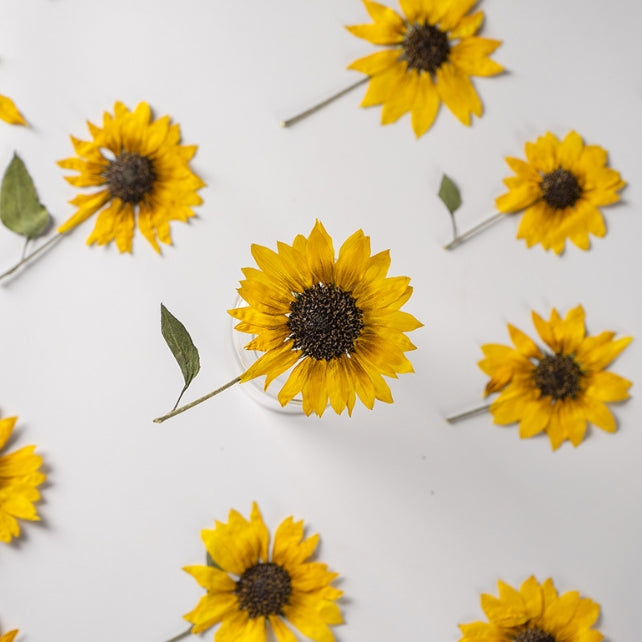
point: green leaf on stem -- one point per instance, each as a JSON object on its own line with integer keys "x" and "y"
{"x": 449, "y": 194}
{"x": 20, "y": 209}
{"x": 182, "y": 347}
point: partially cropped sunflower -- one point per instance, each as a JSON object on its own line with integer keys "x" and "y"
{"x": 561, "y": 185}
{"x": 559, "y": 389}
{"x": 9, "y": 636}
{"x": 535, "y": 613}
{"x": 249, "y": 591}
{"x": 10, "y": 114}
{"x": 19, "y": 479}
{"x": 143, "y": 173}
{"x": 338, "y": 321}
{"x": 432, "y": 53}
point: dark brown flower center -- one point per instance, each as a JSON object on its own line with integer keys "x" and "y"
{"x": 425, "y": 47}
{"x": 325, "y": 322}
{"x": 560, "y": 189}
{"x": 264, "y": 589}
{"x": 558, "y": 376}
{"x": 130, "y": 177}
{"x": 533, "y": 635}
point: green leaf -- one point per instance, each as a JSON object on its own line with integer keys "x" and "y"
{"x": 20, "y": 209}
{"x": 449, "y": 194}
{"x": 181, "y": 345}
{"x": 210, "y": 562}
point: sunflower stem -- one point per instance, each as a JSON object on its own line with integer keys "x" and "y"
{"x": 308, "y": 112}
{"x": 469, "y": 413}
{"x": 181, "y": 636}
{"x": 178, "y": 411}
{"x": 458, "y": 240}
{"x": 33, "y": 255}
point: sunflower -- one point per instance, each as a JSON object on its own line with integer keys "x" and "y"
{"x": 247, "y": 590}
{"x": 10, "y": 114}
{"x": 9, "y": 636}
{"x": 142, "y": 171}
{"x": 535, "y": 613}
{"x": 556, "y": 391}
{"x": 562, "y": 184}
{"x": 19, "y": 478}
{"x": 432, "y": 53}
{"x": 338, "y": 320}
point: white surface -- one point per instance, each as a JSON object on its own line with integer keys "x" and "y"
{"x": 419, "y": 517}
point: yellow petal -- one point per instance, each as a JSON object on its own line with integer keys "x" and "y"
{"x": 378, "y": 33}
{"x": 534, "y": 419}
{"x": 458, "y": 93}
{"x": 471, "y": 56}
{"x": 518, "y": 198}
{"x": 384, "y": 15}
{"x": 211, "y": 579}
{"x": 321, "y": 255}
{"x": 6, "y": 428}
{"x": 468, "y": 26}
{"x": 281, "y": 631}
{"x": 377, "y": 62}
{"x": 425, "y": 106}
{"x": 9, "y": 112}
{"x": 381, "y": 85}
{"x": 401, "y": 98}
{"x": 90, "y": 205}
{"x": 607, "y": 386}
{"x": 524, "y": 343}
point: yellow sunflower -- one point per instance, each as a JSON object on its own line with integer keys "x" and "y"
{"x": 556, "y": 391}
{"x": 561, "y": 185}
{"x": 142, "y": 170}
{"x": 10, "y": 114}
{"x": 338, "y": 320}
{"x": 19, "y": 478}
{"x": 432, "y": 53}
{"x": 535, "y": 613}
{"x": 247, "y": 589}
{"x": 9, "y": 636}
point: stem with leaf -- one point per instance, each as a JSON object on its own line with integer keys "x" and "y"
{"x": 178, "y": 411}
{"x": 458, "y": 240}
{"x": 52, "y": 241}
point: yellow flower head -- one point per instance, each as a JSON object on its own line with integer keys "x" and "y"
{"x": 535, "y": 613}
{"x": 142, "y": 170}
{"x": 432, "y": 53}
{"x": 19, "y": 479}
{"x": 338, "y": 319}
{"x": 556, "y": 390}
{"x": 10, "y": 114}
{"x": 9, "y": 636}
{"x": 247, "y": 589}
{"x": 561, "y": 185}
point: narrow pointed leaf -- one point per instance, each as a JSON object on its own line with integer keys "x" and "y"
{"x": 449, "y": 194}
{"x": 20, "y": 209}
{"x": 181, "y": 345}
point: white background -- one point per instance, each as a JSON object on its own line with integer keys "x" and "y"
{"x": 418, "y": 517}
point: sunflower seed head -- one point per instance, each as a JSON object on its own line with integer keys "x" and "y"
{"x": 264, "y": 589}
{"x": 558, "y": 376}
{"x": 560, "y": 189}
{"x": 533, "y": 634}
{"x": 130, "y": 177}
{"x": 325, "y": 322}
{"x": 425, "y": 47}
